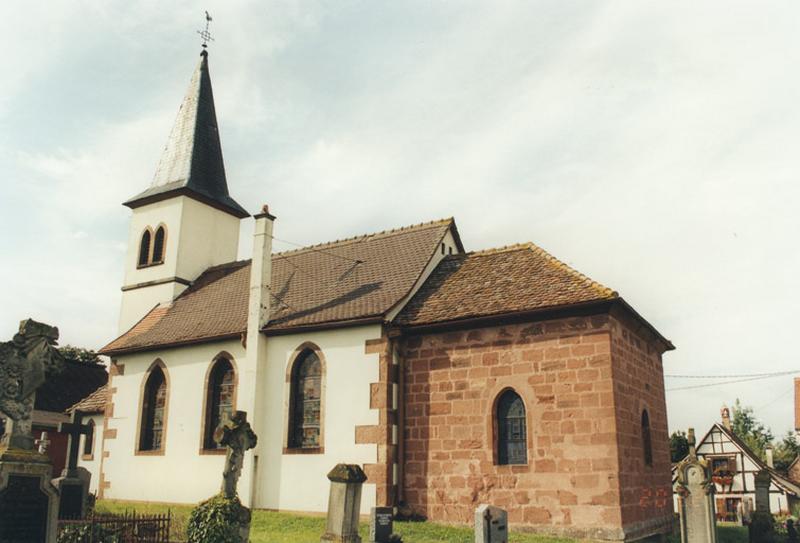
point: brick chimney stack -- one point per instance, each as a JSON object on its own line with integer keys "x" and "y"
{"x": 726, "y": 418}
{"x": 797, "y": 404}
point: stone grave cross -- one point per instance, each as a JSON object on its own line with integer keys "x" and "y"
{"x": 43, "y": 443}
{"x": 74, "y": 430}
{"x": 237, "y": 435}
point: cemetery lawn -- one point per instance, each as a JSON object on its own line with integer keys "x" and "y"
{"x": 272, "y": 527}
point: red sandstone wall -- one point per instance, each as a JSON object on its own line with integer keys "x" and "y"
{"x": 563, "y": 371}
{"x": 638, "y": 385}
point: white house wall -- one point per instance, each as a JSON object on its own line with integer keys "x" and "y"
{"x": 181, "y": 474}
{"x": 92, "y": 463}
{"x": 298, "y": 482}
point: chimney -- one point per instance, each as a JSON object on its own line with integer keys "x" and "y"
{"x": 726, "y": 418}
{"x": 768, "y": 453}
{"x": 260, "y": 274}
{"x": 249, "y": 398}
{"x": 797, "y": 404}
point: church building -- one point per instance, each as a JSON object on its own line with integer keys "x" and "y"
{"x": 454, "y": 378}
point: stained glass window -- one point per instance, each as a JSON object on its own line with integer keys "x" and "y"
{"x": 219, "y": 400}
{"x": 512, "y": 436}
{"x": 306, "y": 396}
{"x": 647, "y": 444}
{"x": 153, "y": 411}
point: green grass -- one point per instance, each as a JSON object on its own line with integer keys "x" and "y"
{"x": 272, "y": 527}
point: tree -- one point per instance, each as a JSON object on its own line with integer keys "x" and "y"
{"x": 785, "y": 452}
{"x": 750, "y": 430}
{"x": 678, "y": 446}
{"x": 79, "y": 355}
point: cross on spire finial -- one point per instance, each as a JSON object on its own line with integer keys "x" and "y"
{"x": 205, "y": 34}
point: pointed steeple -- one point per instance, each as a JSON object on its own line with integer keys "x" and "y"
{"x": 191, "y": 163}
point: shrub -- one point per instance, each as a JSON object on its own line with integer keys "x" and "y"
{"x": 218, "y": 520}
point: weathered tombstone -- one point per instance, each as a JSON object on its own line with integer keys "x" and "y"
{"x": 491, "y": 524}
{"x": 696, "y": 498}
{"x": 236, "y": 434}
{"x": 344, "y": 503}
{"x": 762, "y": 528}
{"x": 381, "y": 525}
{"x": 28, "y": 501}
{"x": 73, "y": 485}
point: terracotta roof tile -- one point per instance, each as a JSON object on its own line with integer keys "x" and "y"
{"x": 356, "y": 278}
{"x": 499, "y": 281}
{"x": 93, "y": 403}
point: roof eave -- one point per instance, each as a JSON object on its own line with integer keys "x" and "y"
{"x": 137, "y": 201}
{"x": 170, "y": 344}
{"x": 327, "y": 325}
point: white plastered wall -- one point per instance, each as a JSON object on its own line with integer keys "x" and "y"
{"x": 92, "y": 462}
{"x": 198, "y": 237}
{"x": 181, "y": 474}
{"x": 298, "y": 482}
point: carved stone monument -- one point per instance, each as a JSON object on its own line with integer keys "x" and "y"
{"x": 344, "y": 504}
{"x": 28, "y": 501}
{"x": 762, "y": 528}
{"x": 491, "y": 524}
{"x": 236, "y": 434}
{"x": 696, "y": 498}
{"x": 73, "y": 485}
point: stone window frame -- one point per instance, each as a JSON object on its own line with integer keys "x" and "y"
{"x": 89, "y": 439}
{"x": 294, "y": 359}
{"x": 223, "y": 355}
{"x": 495, "y": 428}
{"x": 646, "y": 431}
{"x": 138, "y": 451}
{"x": 151, "y": 242}
{"x": 144, "y": 262}
{"x": 163, "y": 228}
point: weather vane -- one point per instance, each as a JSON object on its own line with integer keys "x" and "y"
{"x": 205, "y": 34}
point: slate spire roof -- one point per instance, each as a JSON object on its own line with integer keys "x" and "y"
{"x": 191, "y": 163}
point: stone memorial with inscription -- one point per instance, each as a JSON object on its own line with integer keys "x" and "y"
{"x": 344, "y": 504}
{"x": 73, "y": 485}
{"x": 381, "y": 525}
{"x": 491, "y": 524}
{"x": 696, "y": 498}
{"x": 28, "y": 500}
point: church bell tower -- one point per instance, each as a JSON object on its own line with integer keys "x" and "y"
{"x": 185, "y": 222}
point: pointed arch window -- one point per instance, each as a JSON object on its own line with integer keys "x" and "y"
{"x": 88, "y": 441}
{"x": 220, "y": 392}
{"x": 158, "y": 246}
{"x": 647, "y": 443}
{"x": 144, "y": 248}
{"x": 305, "y": 402}
{"x": 154, "y": 411}
{"x": 512, "y": 445}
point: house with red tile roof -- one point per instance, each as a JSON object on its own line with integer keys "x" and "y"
{"x": 453, "y": 378}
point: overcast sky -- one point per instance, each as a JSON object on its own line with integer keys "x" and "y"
{"x": 653, "y": 146}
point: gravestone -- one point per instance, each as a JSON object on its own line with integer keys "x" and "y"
{"x": 696, "y": 498}
{"x": 344, "y": 504}
{"x": 73, "y": 485}
{"x": 28, "y": 500}
{"x": 381, "y": 525}
{"x": 491, "y": 524}
{"x": 762, "y": 528}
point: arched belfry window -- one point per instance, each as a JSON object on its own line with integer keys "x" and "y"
{"x": 88, "y": 440}
{"x": 512, "y": 435}
{"x": 647, "y": 443}
{"x": 306, "y": 402}
{"x": 219, "y": 399}
{"x": 154, "y": 411}
{"x": 144, "y": 248}
{"x": 158, "y": 246}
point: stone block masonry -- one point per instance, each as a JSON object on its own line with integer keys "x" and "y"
{"x": 581, "y": 382}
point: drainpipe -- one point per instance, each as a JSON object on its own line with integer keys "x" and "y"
{"x": 253, "y": 374}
